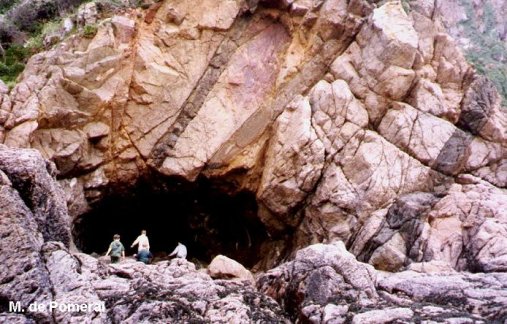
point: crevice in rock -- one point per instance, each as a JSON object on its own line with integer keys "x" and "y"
{"x": 205, "y": 215}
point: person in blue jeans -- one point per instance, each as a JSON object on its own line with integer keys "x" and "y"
{"x": 144, "y": 256}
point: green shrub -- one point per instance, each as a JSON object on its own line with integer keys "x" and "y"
{"x": 13, "y": 63}
{"x": 51, "y": 26}
{"x": 5, "y": 5}
{"x": 9, "y": 73}
{"x": 35, "y": 44}
{"x": 15, "y": 53}
{"x": 28, "y": 14}
{"x": 89, "y": 31}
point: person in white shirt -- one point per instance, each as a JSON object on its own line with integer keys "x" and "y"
{"x": 142, "y": 242}
{"x": 180, "y": 251}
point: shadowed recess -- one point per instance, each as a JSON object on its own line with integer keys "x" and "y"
{"x": 200, "y": 215}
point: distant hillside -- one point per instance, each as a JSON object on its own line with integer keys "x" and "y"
{"x": 480, "y": 28}
{"x": 24, "y": 25}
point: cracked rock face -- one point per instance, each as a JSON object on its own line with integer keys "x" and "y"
{"x": 349, "y": 122}
{"x": 326, "y": 284}
{"x": 37, "y": 268}
{"x": 329, "y": 111}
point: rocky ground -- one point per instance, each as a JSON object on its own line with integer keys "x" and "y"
{"x": 324, "y": 283}
{"x": 326, "y": 111}
{"x": 37, "y": 266}
{"x": 376, "y": 154}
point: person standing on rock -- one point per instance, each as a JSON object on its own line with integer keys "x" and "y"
{"x": 116, "y": 249}
{"x": 142, "y": 242}
{"x": 180, "y": 251}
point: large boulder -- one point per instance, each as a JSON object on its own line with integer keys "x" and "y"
{"x": 226, "y": 268}
{"x": 33, "y": 179}
{"x": 32, "y": 211}
{"x": 466, "y": 229}
{"x": 326, "y": 284}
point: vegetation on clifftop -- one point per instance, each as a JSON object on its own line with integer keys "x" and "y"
{"x": 25, "y": 23}
{"x": 487, "y": 52}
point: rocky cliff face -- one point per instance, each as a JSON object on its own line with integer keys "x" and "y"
{"x": 487, "y": 14}
{"x": 324, "y": 283}
{"x": 480, "y": 29}
{"x": 38, "y": 269}
{"x": 348, "y": 122}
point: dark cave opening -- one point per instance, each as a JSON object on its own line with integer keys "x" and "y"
{"x": 201, "y": 215}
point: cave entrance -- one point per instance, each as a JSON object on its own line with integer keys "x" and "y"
{"x": 201, "y": 215}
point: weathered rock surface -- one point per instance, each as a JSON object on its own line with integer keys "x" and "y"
{"x": 134, "y": 292}
{"x": 328, "y": 111}
{"x": 323, "y": 284}
{"x": 464, "y": 229}
{"x": 32, "y": 211}
{"x": 37, "y": 268}
{"x": 347, "y": 121}
{"x": 222, "y": 267}
{"x": 176, "y": 292}
{"x": 27, "y": 175}
{"x": 326, "y": 284}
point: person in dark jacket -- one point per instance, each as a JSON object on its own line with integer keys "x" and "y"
{"x": 116, "y": 249}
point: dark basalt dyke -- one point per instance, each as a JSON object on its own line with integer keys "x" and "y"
{"x": 201, "y": 215}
